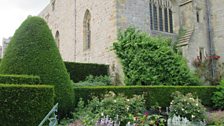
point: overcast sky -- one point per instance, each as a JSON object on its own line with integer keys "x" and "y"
{"x": 14, "y": 12}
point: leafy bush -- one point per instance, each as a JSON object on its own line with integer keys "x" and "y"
{"x": 19, "y": 79}
{"x": 33, "y": 51}
{"x": 218, "y": 97}
{"x": 150, "y": 60}
{"x": 187, "y": 106}
{"x": 216, "y": 118}
{"x": 95, "y": 81}
{"x": 146, "y": 120}
{"x": 79, "y": 71}
{"x": 153, "y": 95}
{"x": 24, "y": 105}
{"x": 111, "y": 105}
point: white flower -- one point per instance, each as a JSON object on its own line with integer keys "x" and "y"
{"x": 191, "y": 99}
{"x": 115, "y": 101}
{"x": 128, "y": 100}
{"x": 102, "y": 114}
{"x": 196, "y": 104}
{"x": 192, "y": 116}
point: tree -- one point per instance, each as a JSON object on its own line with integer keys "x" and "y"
{"x": 33, "y": 51}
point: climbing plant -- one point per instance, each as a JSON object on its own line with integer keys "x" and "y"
{"x": 150, "y": 60}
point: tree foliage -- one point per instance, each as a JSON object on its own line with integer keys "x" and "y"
{"x": 33, "y": 51}
{"x": 150, "y": 60}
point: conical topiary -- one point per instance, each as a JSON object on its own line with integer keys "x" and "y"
{"x": 33, "y": 51}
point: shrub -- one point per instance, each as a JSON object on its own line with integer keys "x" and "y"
{"x": 187, "y": 106}
{"x": 150, "y": 60}
{"x": 24, "y": 105}
{"x": 95, "y": 81}
{"x": 33, "y": 51}
{"x": 19, "y": 79}
{"x": 110, "y": 105}
{"x": 218, "y": 97}
{"x": 153, "y": 95}
{"x": 79, "y": 71}
{"x": 216, "y": 118}
{"x": 146, "y": 120}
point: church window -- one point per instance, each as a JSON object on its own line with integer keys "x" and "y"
{"x": 161, "y": 15}
{"x": 160, "y": 19}
{"x": 166, "y": 20}
{"x": 155, "y": 17}
{"x": 57, "y": 39}
{"x": 202, "y": 54}
{"x": 198, "y": 16}
{"x": 171, "y": 20}
{"x": 87, "y": 31}
{"x": 151, "y": 16}
{"x": 53, "y": 4}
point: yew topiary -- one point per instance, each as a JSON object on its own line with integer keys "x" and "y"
{"x": 33, "y": 51}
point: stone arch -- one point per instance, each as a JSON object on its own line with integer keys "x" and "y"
{"x": 57, "y": 38}
{"x": 87, "y": 30}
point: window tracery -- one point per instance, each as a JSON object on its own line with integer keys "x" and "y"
{"x": 161, "y": 16}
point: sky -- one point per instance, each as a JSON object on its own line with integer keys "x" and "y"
{"x": 14, "y": 12}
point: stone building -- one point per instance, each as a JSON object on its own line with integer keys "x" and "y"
{"x": 5, "y": 42}
{"x": 85, "y": 29}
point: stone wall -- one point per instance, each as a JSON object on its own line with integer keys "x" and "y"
{"x": 68, "y": 18}
{"x": 62, "y": 19}
{"x": 110, "y": 16}
{"x": 217, "y": 20}
{"x": 133, "y": 13}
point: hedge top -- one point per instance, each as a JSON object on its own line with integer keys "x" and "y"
{"x": 26, "y": 86}
{"x": 19, "y": 79}
{"x": 33, "y": 51}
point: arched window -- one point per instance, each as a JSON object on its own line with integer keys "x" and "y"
{"x": 53, "y": 4}
{"x": 57, "y": 39}
{"x": 161, "y": 15}
{"x": 160, "y": 19}
{"x": 87, "y": 30}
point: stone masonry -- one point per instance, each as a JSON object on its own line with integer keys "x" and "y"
{"x": 200, "y": 19}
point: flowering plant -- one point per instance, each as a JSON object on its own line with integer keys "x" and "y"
{"x": 110, "y": 105}
{"x": 187, "y": 106}
{"x": 146, "y": 120}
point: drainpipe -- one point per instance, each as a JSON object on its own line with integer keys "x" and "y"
{"x": 210, "y": 42}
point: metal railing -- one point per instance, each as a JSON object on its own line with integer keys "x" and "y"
{"x": 51, "y": 116}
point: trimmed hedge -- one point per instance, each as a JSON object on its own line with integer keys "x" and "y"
{"x": 152, "y": 94}
{"x": 79, "y": 71}
{"x": 33, "y": 51}
{"x": 24, "y": 105}
{"x": 19, "y": 79}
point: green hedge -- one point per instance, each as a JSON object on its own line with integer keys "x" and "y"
{"x": 24, "y": 105}
{"x": 152, "y": 94}
{"x": 19, "y": 79}
{"x": 79, "y": 71}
